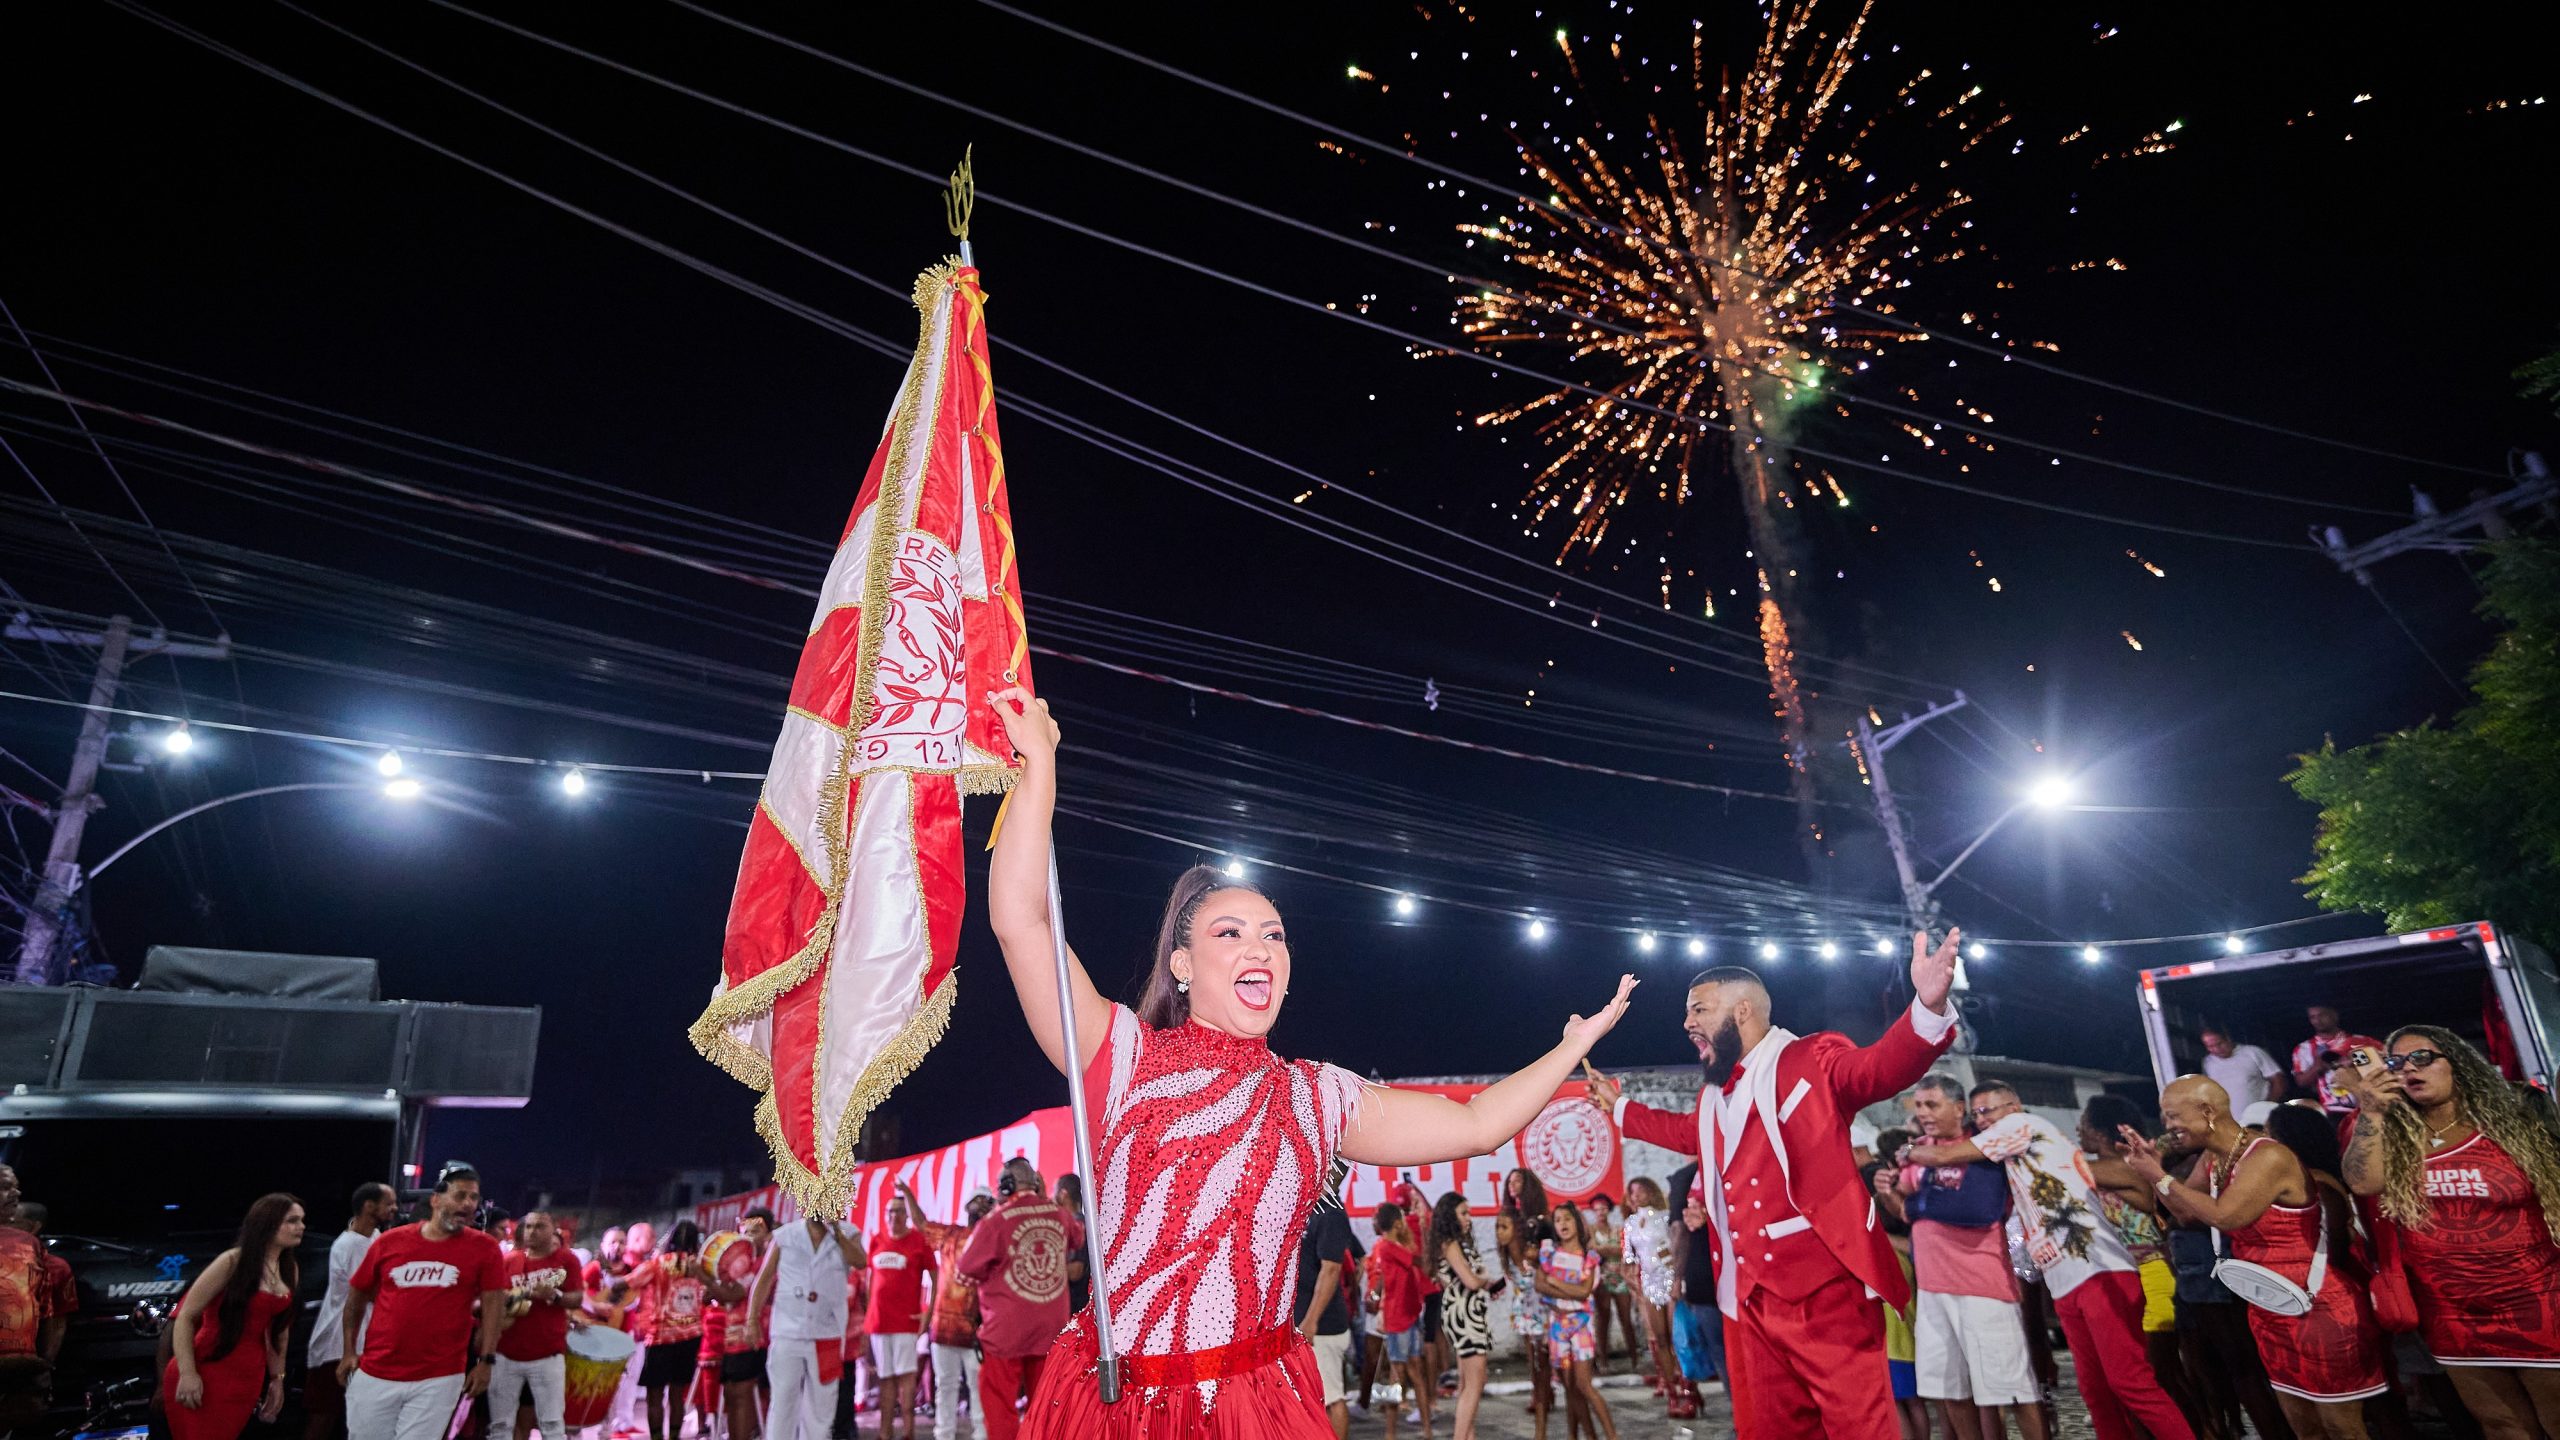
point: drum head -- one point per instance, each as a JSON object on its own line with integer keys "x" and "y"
{"x": 730, "y": 1256}
{"x": 600, "y": 1344}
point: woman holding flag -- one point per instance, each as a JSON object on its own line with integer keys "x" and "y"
{"x": 1209, "y": 1150}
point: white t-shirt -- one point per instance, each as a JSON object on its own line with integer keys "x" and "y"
{"x": 809, "y": 1285}
{"x": 327, "y": 1340}
{"x": 2049, "y": 1181}
{"x": 2243, "y": 1075}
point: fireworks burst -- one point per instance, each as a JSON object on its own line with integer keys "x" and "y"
{"x": 1709, "y": 290}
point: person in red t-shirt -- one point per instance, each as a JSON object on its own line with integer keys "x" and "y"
{"x": 1018, "y": 1257}
{"x": 955, "y": 1315}
{"x": 901, "y": 1258}
{"x": 1395, "y": 1297}
{"x": 545, "y": 1285}
{"x": 406, "y": 1372}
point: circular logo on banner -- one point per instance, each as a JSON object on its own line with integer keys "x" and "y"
{"x": 1569, "y": 1147}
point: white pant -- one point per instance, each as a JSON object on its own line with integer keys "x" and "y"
{"x": 402, "y": 1409}
{"x": 546, "y": 1378}
{"x": 955, "y": 1379}
{"x": 1971, "y": 1347}
{"x": 803, "y": 1408}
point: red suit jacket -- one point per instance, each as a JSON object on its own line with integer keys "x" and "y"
{"x": 1819, "y": 1082}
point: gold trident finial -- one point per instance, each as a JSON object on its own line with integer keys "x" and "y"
{"x": 962, "y": 197}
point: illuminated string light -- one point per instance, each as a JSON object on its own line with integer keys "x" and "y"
{"x": 575, "y": 782}
{"x": 389, "y": 764}
{"x": 2091, "y": 954}
{"x": 1768, "y": 949}
{"x": 1885, "y": 948}
{"x": 1404, "y": 907}
{"x": 1977, "y": 951}
{"x": 1234, "y": 868}
{"x": 1537, "y": 929}
{"x": 2233, "y": 944}
{"x": 1645, "y": 942}
{"x": 178, "y": 741}
{"x": 1697, "y": 949}
{"x": 1828, "y": 951}
{"x": 403, "y": 787}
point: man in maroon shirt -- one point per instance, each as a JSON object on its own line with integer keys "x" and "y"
{"x": 1018, "y": 1258}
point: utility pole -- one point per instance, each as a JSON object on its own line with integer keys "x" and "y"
{"x": 2445, "y": 531}
{"x": 1919, "y": 898}
{"x": 115, "y": 645}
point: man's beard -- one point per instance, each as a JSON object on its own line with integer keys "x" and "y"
{"x": 1724, "y": 1051}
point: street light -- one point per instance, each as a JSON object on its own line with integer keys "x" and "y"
{"x": 192, "y": 811}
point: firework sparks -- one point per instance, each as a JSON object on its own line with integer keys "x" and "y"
{"x": 1710, "y": 291}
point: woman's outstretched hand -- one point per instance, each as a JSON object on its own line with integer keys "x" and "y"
{"x": 1587, "y": 1032}
{"x": 1027, "y": 722}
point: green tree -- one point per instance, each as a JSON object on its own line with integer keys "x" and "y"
{"x": 2458, "y": 822}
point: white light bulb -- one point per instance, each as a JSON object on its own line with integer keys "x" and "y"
{"x": 1404, "y": 905}
{"x": 1768, "y": 949}
{"x": 1977, "y": 950}
{"x": 2049, "y": 792}
{"x": 1645, "y": 942}
{"x": 1829, "y": 951}
{"x": 1537, "y": 929}
{"x": 402, "y": 788}
{"x": 389, "y": 764}
{"x": 575, "y": 782}
{"x": 2091, "y": 954}
{"x": 1884, "y": 948}
{"x": 1235, "y": 869}
{"x": 1697, "y": 949}
{"x": 178, "y": 741}
{"x": 2233, "y": 944}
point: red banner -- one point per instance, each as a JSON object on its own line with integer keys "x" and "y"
{"x": 942, "y": 1179}
{"x": 1570, "y": 1146}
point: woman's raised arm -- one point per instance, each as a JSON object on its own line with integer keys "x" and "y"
{"x": 1408, "y": 1127}
{"x": 1018, "y": 889}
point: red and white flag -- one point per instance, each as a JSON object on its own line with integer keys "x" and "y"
{"x": 836, "y": 974}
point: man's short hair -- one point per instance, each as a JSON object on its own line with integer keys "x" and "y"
{"x": 1942, "y": 1082}
{"x": 758, "y": 1213}
{"x": 1726, "y": 975}
{"x": 1992, "y": 1087}
{"x": 1386, "y": 1217}
{"x": 369, "y": 1192}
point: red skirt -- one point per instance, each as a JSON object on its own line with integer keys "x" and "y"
{"x": 1276, "y": 1399}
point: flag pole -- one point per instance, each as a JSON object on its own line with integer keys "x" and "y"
{"x": 958, "y": 202}
{"x": 1107, "y": 1354}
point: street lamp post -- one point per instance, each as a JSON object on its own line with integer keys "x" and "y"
{"x": 218, "y": 801}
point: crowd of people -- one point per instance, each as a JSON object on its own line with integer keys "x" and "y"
{"x": 2382, "y": 1243}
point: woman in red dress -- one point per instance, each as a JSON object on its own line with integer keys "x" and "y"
{"x": 2470, "y": 1183}
{"x": 221, "y": 1374}
{"x": 2326, "y": 1362}
{"x": 1209, "y": 1150}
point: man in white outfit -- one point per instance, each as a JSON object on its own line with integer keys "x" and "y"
{"x": 799, "y": 1303}
{"x": 324, "y": 1399}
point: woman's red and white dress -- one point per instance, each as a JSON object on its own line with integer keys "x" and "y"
{"x": 2332, "y": 1352}
{"x": 1210, "y": 1152}
{"x": 2484, "y": 1269}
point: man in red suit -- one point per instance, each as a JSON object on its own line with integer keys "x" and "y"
{"x": 1801, "y": 1259}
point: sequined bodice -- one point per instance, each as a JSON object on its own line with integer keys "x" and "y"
{"x": 1211, "y": 1151}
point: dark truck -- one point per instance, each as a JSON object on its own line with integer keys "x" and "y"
{"x": 147, "y": 1120}
{"x": 2493, "y": 988}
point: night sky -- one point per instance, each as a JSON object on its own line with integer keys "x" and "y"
{"x": 2366, "y": 271}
